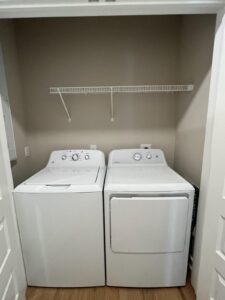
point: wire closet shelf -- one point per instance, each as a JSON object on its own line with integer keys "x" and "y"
{"x": 117, "y": 89}
{"x": 123, "y": 89}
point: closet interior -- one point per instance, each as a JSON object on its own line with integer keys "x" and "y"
{"x": 108, "y": 51}
{"x": 133, "y": 80}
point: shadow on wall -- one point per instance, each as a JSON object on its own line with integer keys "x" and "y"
{"x": 7, "y": 38}
{"x": 197, "y": 38}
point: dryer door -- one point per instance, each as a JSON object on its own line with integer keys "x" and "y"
{"x": 149, "y": 224}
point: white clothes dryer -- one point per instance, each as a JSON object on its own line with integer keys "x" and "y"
{"x": 148, "y": 213}
{"x": 60, "y": 218}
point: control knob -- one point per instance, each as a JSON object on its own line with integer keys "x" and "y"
{"x": 148, "y": 156}
{"x": 137, "y": 156}
{"x": 64, "y": 157}
{"x": 75, "y": 157}
{"x": 87, "y": 156}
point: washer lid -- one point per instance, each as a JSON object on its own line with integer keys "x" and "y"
{"x": 144, "y": 178}
{"x": 64, "y": 176}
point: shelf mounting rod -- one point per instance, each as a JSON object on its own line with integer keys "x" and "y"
{"x": 112, "y": 105}
{"x": 64, "y": 106}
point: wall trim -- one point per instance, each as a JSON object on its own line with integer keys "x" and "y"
{"x": 60, "y": 8}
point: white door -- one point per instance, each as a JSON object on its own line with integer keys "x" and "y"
{"x": 12, "y": 275}
{"x": 211, "y": 273}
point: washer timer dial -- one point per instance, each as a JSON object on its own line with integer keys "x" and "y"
{"x": 75, "y": 157}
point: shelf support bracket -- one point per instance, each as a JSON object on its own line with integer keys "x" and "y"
{"x": 112, "y": 104}
{"x": 64, "y": 106}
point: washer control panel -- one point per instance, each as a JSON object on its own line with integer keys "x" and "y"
{"x": 70, "y": 158}
{"x": 75, "y": 156}
{"x": 137, "y": 156}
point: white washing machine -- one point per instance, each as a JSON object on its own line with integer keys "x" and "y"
{"x": 148, "y": 213}
{"x": 60, "y": 218}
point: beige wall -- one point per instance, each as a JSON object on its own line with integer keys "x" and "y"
{"x": 98, "y": 51}
{"x": 116, "y": 50}
{"x": 196, "y": 45}
{"x": 7, "y": 39}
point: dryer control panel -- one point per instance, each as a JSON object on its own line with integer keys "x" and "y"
{"x": 76, "y": 158}
{"x": 137, "y": 156}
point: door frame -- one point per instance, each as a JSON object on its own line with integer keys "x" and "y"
{"x": 53, "y": 8}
